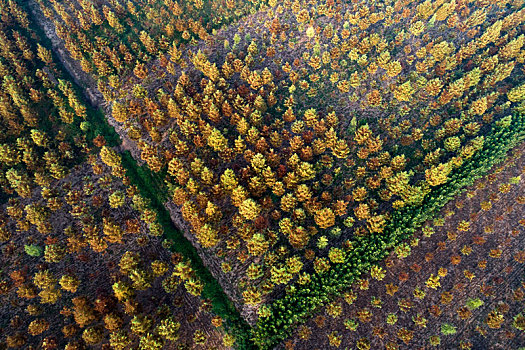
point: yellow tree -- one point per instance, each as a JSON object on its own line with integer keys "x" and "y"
{"x": 438, "y": 175}
{"x": 324, "y": 218}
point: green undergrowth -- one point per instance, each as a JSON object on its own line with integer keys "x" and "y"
{"x": 302, "y": 301}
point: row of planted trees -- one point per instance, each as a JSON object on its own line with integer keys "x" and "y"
{"x": 262, "y": 128}
{"x": 366, "y": 252}
{"x": 427, "y": 301}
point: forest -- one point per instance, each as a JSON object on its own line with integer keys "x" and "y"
{"x": 258, "y": 174}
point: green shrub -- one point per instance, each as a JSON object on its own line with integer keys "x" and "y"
{"x": 351, "y": 324}
{"x": 519, "y": 322}
{"x": 435, "y": 340}
{"x": 33, "y": 250}
{"x": 473, "y": 304}
{"x": 448, "y": 329}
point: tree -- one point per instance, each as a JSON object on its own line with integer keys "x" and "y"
{"x": 93, "y": 335}
{"x": 208, "y": 236}
{"x": 110, "y": 157}
{"x": 249, "y": 209}
{"x": 438, "y": 175}
{"x": 38, "y": 326}
{"x": 252, "y": 296}
{"x": 324, "y": 218}
{"x": 19, "y": 180}
{"x": 113, "y": 322}
{"x": 44, "y": 55}
{"x": 257, "y": 245}
{"x": 168, "y": 329}
{"x": 83, "y": 312}
{"x": 69, "y": 283}
{"x": 119, "y": 339}
{"x": 299, "y": 237}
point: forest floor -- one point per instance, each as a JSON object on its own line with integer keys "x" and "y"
{"x": 96, "y": 270}
{"x": 478, "y": 251}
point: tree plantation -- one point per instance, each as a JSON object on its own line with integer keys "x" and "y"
{"x": 262, "y": 174}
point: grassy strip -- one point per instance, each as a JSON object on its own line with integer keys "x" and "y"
{"x": 152, "y": 187}
{"x": 302, "y": 301}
